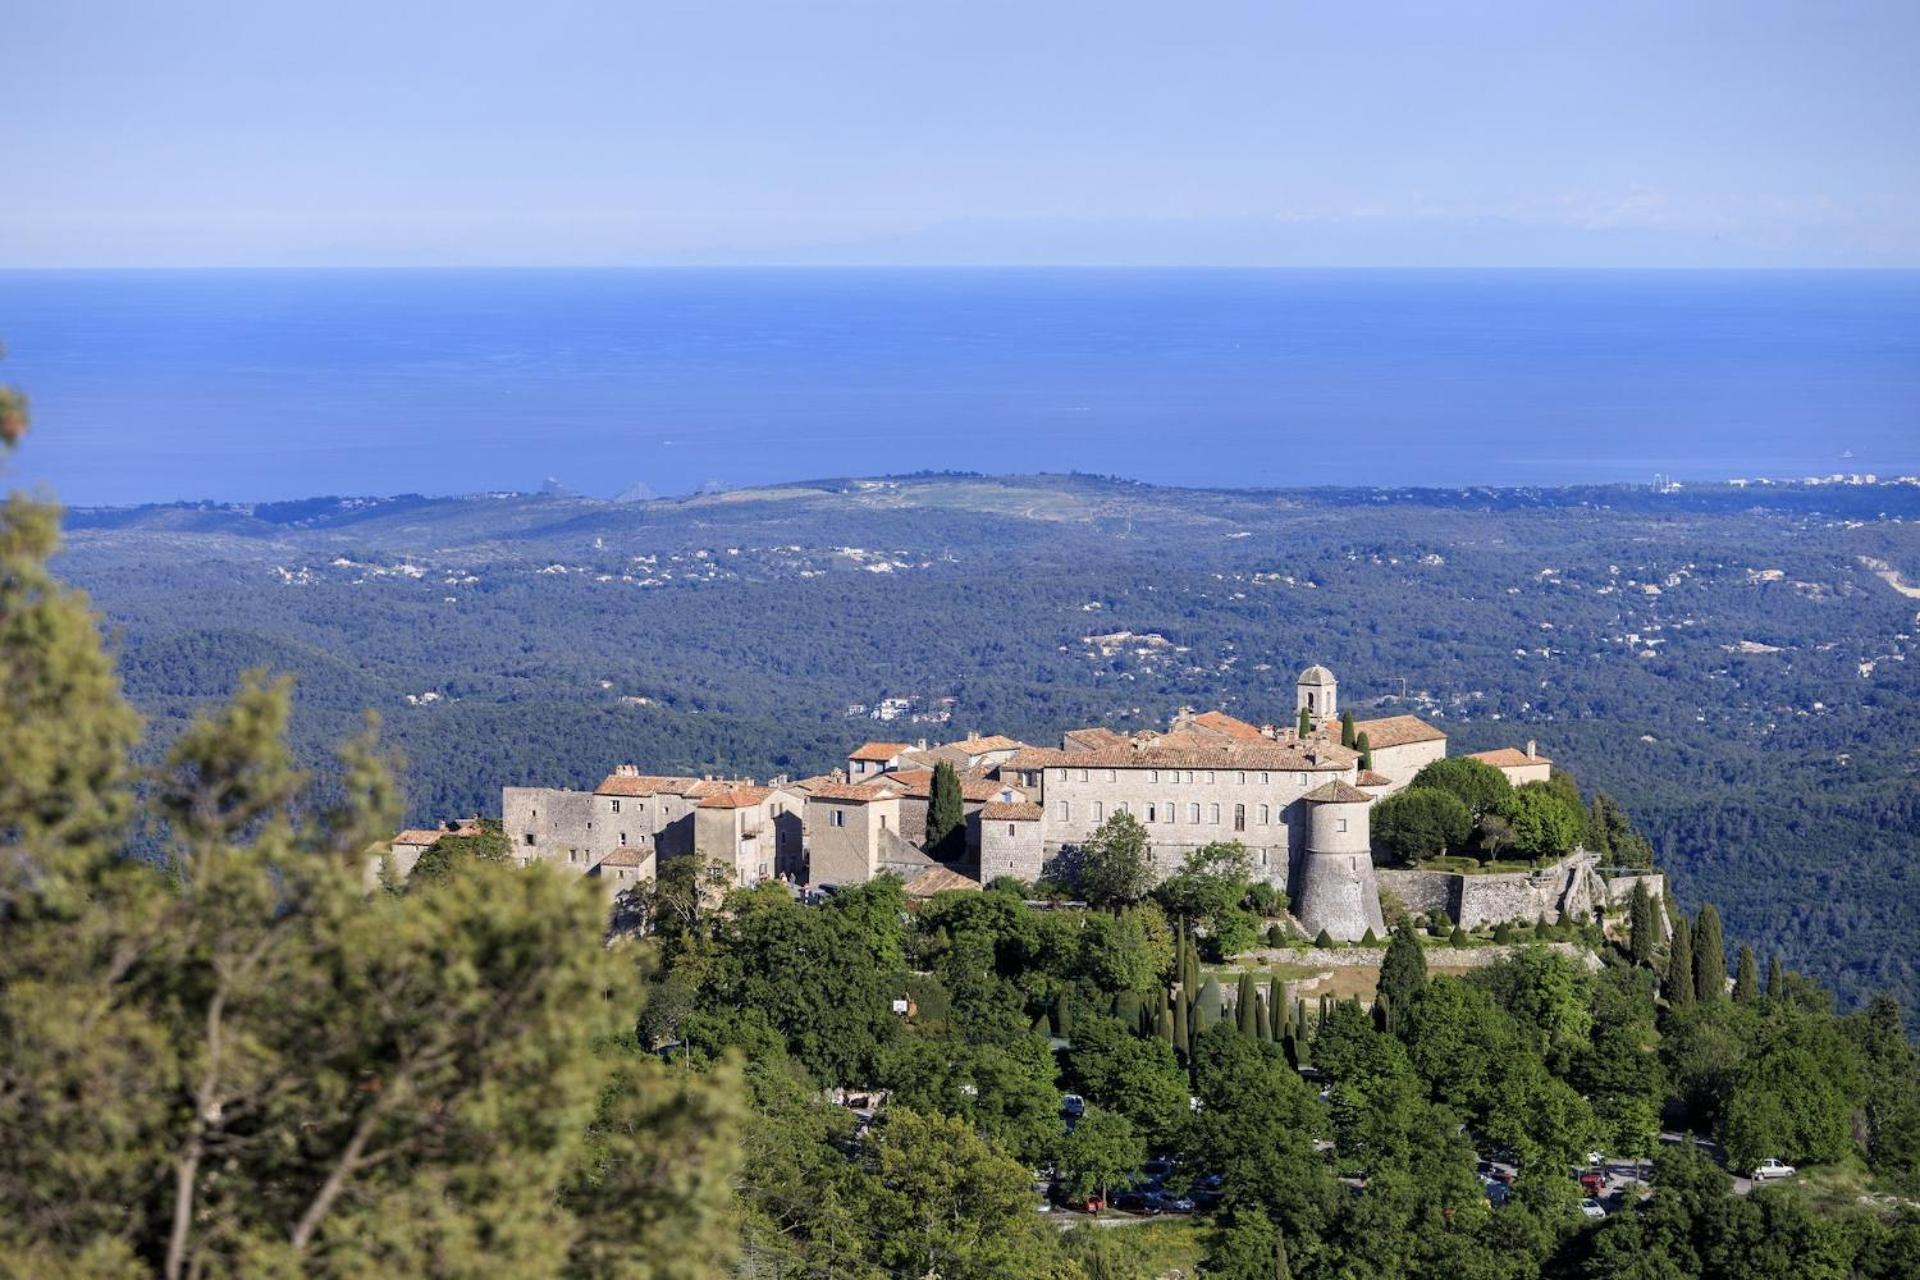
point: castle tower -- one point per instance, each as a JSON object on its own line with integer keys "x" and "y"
{"x": 1338, "y": 890}
{"x": 1318, "y": 694}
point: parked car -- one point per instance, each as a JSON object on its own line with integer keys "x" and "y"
{"x": 1593, "y": 1208}
{"x": 1593, "y": 1183}
{"x": 1136, "y": 1202}
{"x": 1596, "y": 1160}
{"x": 1072, "y": 1104}
{"x": 1771, "y": 1168}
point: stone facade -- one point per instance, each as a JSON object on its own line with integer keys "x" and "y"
{"x": 1572, "y": 885}
{"x": 1011, "y": 841}
{"x": 1337, "y": 890}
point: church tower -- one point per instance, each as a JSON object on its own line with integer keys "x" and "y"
{"x": 1317, "y": 693}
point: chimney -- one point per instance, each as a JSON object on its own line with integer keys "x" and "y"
{"x": 1531, "y": 751}
{"x": 921, "y": 744}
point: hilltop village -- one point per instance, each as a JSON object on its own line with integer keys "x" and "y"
{"x": 1296, "y": 796}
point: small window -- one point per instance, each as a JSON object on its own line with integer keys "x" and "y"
{"x": 883, "y": 822}
{"x": 1265, "y": 815}
{"x": 529, "y": 837}
{"x": 838, "y": 818}
{"x": 1339, "y": 824}
{"x": 1009, "y": 828}
{"x": 1213, "y": 814}
{"x": 1241, "y": 778}
{"x": 1153, "y": 775}
{"x": 1065, "y": 811}
{"x": 1152, "y": 814}
{"x": 1239, "y": 817}
{"x": 623, "y": 839}
{"x": 1112, "y": 776}
{"x": 616, "y": 806}
{"x": 1099, "y": 810}
{"x": 1266, "y": 779}
{"x": 1193, "y": 813}
{"x": 1209, "y": 777}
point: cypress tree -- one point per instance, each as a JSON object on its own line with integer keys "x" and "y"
{"x": 1458, "y": 938}
{"x": 1709, "y": 957}
{"x": 1369, "y": 939}
{"x": 1300, "y": 1019}
{"x": 1180, "y": 950}
{"x": 1163, "y": 1019}
{"x": 1246, "y": 1006}
{"x": 946, "y": 815}
{"x": 1641, "y": 925}
{"x": 1346, "y": 729}
{"x": 1182, "y": 1024}
{"x": 1063, "y": 1014}
{"x": 1365, "y": 747}
{"x": 1277, "y": 1005}
{"x": 1190, "y": 977}
{"x": 1746, "y": 983}
{"x": 1281, "y": 1271}
{"x": 1262, "y": 1024}
{"x": 1776, "y": 978}
{"x": 1206, "y": 1010}
{"x": 1305, "y": 726}
{"x": 1679, "y": 982}
{"x": 1324, "y": 940}
{"x": 1403, "y": 971}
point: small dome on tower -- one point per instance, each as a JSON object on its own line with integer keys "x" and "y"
{"x": 1316, "y": 674}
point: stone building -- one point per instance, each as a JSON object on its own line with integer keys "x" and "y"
{"x": 1011, "y": 841}
{"x": 1336, "y": 891}
{"x": 1521, "y": 767}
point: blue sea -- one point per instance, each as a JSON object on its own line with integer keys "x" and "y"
{"x": 256, "y": 385}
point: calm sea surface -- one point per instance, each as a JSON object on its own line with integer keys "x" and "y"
{"x": 268, "y": 384}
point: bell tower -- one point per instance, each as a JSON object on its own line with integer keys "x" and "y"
{"x": 1317, "y": 693}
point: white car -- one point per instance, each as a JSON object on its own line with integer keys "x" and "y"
{"x": 1595, "y": 1160}
{"x": 1772, "y": 1169}
{"x": 1592, "y": 1208}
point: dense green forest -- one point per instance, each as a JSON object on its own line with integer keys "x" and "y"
{"x": 1730, "y": 663}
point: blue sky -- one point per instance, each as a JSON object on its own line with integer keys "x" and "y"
{"x": 961, "y": 131}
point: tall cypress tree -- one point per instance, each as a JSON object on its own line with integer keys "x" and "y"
{"x": 1206, "y": 1010}
{"x": 1709, "y": 957}
{"x": 1277, "y": 1006}
{"x": 1183, "y": 1023}
{"x": 1305, "y": 725}
{"x": 1746, "y": 982}
{"x": 1679, "y": 982}
{"x": 1246, "y": 1006}
{"x": 1281, "y": 1271}
{"x": 1063, "y": 1014}
{"x": 1262, "y": 1024}
{"x": 1346, "y": 729}
{"x": 1163, "y": 1019}
{"x": 1364, "y": 746}
{"x": 1640, "y": 939}
{"x": 946, "y": 815}
{"x": 1776, "y": 978}
{"x": 1404, "y": 969}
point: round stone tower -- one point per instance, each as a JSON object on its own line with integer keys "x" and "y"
{"x": 1338, "y": 890}
{"x": 1317, "y": 693}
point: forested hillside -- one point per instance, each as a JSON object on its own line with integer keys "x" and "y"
{"x": 1731, "y": 664}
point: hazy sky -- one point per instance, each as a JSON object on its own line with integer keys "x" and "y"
{"x": 1444, "y": 133}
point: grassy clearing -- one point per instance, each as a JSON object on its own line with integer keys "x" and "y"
{"x": 1165, "y": 1247}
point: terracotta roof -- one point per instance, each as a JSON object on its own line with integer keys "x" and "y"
{"x": 1507, "y": 758}
{"x": 1316, "y": 674}
{"x": 736, "y": 797}
{"x": 1337, "y": 793}
{"x": 1397, "y": 731}
{"x": 861, "y": 791}
{"x": 640, "y": 784}
{"x": 1188, "y": 751}
{"x": 417, "y": 835}
{"x": 1092, "y": 739}
{"x": 994, "y": 742}
{"x": 1010, "y": 811}
{"x": 711, "y": 787}
{"x": 938, "y": 880}
{"x": 1232, "y": 726}
{"x": 631, "y": 856}
{"x": 918, "y": 783}
{"x": 1373, "y": 778}
{"x": 878, "y": 750}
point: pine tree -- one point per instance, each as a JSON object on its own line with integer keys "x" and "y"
{"x": 1640, "y": 937}
{"x": 1246, "y": 1006}
{"x": 1746, "y": 983}
{"x": 1679, "y": 983}
{"x": 946, "y": 815}
{"x": 1305, "y": 725}
{"x": 1776, "y": 978}
{"x": 1346, "y": 729}
{"x": 1709, "y": 957}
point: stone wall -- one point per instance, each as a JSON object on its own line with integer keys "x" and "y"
{"x": 1011, "y": 849}
{"x": 1475, "y": 901}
